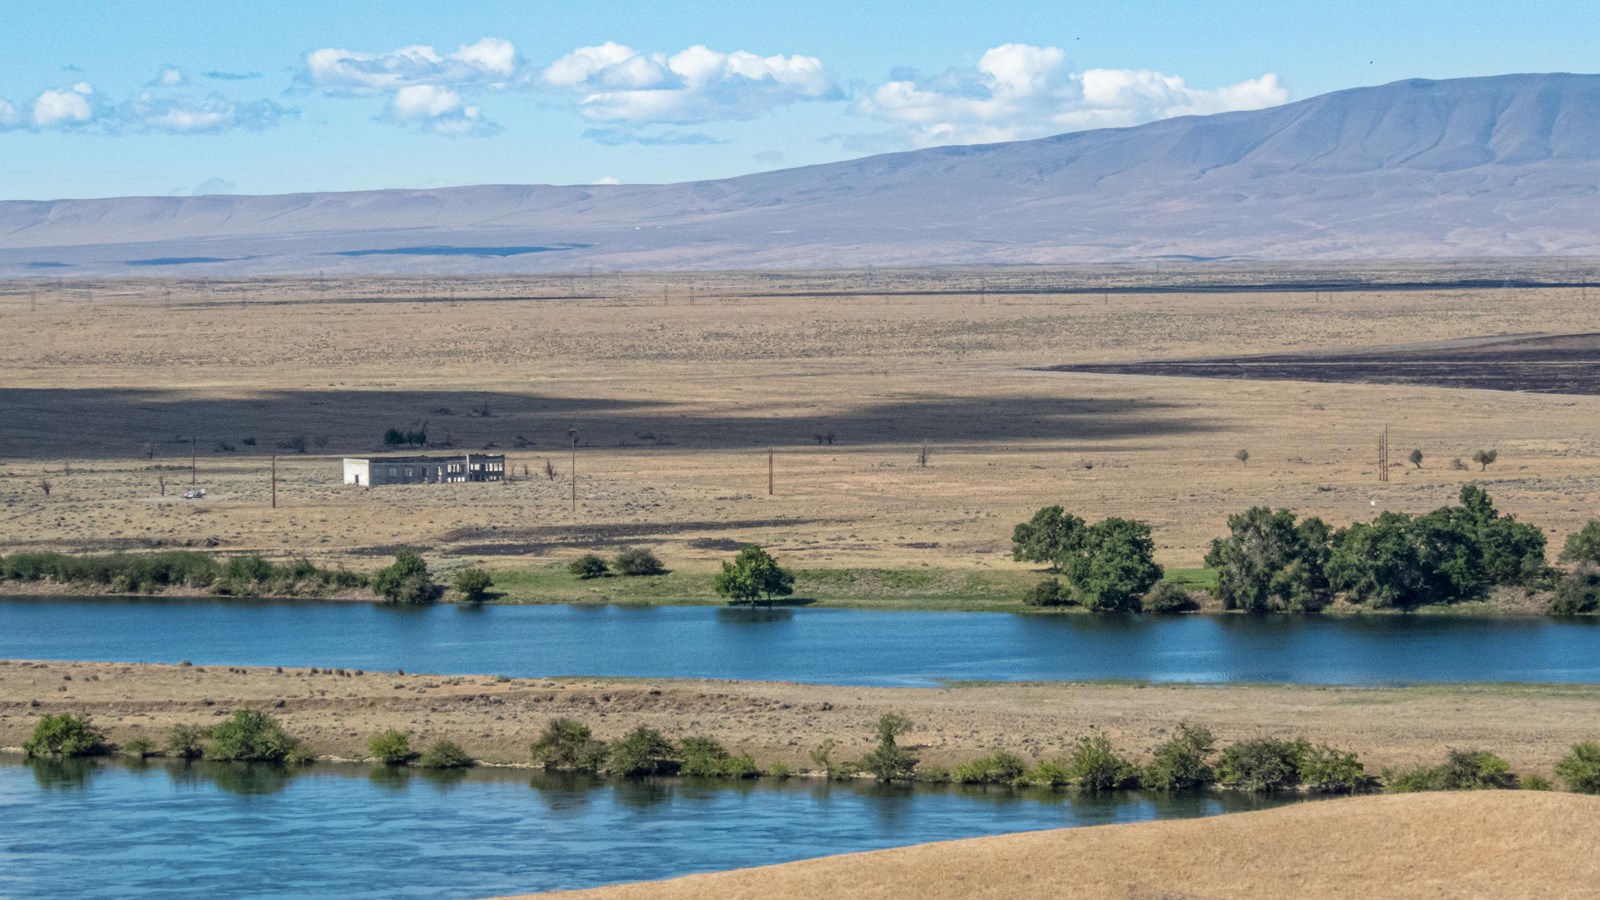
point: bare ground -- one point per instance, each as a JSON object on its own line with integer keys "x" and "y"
{"x": 1530, "y": 725}
{"x": 1490, "y": 844}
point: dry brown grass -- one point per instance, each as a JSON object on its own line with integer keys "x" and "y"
{"x": 677, "y": 403}
{"x": 1490, "y": 844}
{"x": 1530, "y": 725}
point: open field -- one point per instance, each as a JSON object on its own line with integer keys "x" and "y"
{"x": 678, "y": 385}
{"x": 495, "y": 719}
{"x": 1491, "y": 844}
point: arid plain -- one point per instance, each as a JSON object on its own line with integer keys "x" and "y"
{"x": 678, "y": 385}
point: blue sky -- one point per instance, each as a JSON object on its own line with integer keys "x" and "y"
{"x": 101, "y": 98}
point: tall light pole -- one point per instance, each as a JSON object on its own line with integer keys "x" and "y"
{"x": 573, "y": 433}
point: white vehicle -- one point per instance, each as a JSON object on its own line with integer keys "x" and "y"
{"x": 194, "y": 494}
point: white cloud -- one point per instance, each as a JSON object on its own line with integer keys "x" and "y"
{"x": 616, "y": 83}
{"x": 1020, "y": 91}
{"x": 10, "y": 116}
{"x": 169, "y": 77}
{"x": 64, "y": 107}
{"x": 490, "y": 61}
{"x": 440, "y": 110}
{"x": 609, "y": 179}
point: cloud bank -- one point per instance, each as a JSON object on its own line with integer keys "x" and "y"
{"x": 155, "y": 110}
{"x": 1019, "y": 91}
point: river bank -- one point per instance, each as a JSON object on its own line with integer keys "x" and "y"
{"x": 495, "y": 718}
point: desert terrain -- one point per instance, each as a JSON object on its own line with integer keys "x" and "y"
{"x": 1418, "y": 845}
{"x": 678, "y": 385}
{"x": 495, "y": 719}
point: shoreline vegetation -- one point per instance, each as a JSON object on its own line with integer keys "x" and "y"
{"x": 1189, "y": 759}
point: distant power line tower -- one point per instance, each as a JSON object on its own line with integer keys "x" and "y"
{"x": 1383, "y": 455}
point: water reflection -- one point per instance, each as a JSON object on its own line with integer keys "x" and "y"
{"x": 62, "y": 774}
{"x": 753, "y": 615}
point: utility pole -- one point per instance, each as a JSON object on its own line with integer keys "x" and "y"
{"x": 274, "y": 481}
{"x": 573, "y": 433}
{"x": 194, "y": 457}
{"x": 769, "y": 471}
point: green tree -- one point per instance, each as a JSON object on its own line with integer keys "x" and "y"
{"x": 1049, "y": 537}
{"x": 1114, "y": 566}
{"x": 65, "y": 735}
{"x": 1471, "y": 770}
{"x": 1577, "y": 593}
{"x": 1326, "y": 770}
{"x": 637, "y": 561}
{"x": 1485, "y": 458}
{"x": 1261, "y": 765}
{"x": 705, "y": 757}
{"x": 1049, "y": 592}
{"x": 643, "y": 751}
{"x": 186, "y": 741}
{"x": 1164, "y": 597}
{"x": 392, "y": 748}
{"x": 1416, "y": 458}
{"x": 444, "y": 755}
{"x": 1180, "y": 762}
{"x": 407, "y": 580}
{"x": 1270, "y": 563}
{"x": 1580, "y": 768}
{"x": 567, "y": 744}
{"x": 999, "y": 767}
{"x": 889, "y": 761}
{"x": 1583, "y": 546}
{"x": 251, "y": 736}
{"x": 753, "y": 575}
{"x": 473, "y": 584}
{"x": 1378, "y": 564}
{"x": 588, "y": 566}
{"x": 1094, "y": 765}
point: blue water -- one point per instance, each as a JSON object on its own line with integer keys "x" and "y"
{"x": 828, "y": 646}
{"x": 93, "y": 829}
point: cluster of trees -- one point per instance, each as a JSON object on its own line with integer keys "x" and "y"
{"x": 568, "y": 745}
{"x": 1105, "y": 567}
{"x": 416, "y": 436}
{"x": 1271, "y": 561}
{"x": 409, "y": 580}
{"x": 247, "y": 735}
{"x": 631, "y": 561}
{"x": 151, "y": 573}
{"x": 393, "y": 748}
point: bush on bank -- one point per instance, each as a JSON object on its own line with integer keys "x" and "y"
{"x": 152, "y": 573}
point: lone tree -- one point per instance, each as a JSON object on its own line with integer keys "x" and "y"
{"x": 1483, "y": 458}
{"x": 754, "y": 576}
{"x": 1416, "y": 458}
{"x": 474, "y": 584}
{"x": 1242, "y": 456}
{"x": 889, "y": 761}
{"x": 407, "y": 580}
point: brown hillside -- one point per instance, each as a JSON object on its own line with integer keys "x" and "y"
{"x": 1490, "y": 844}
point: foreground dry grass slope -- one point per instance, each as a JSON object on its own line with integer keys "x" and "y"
{"x": 677, "y": 386}
{"x": 1487, "y": 845}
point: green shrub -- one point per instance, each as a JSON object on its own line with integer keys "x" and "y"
{"x": 1326, "y": 770}
{"x": 1051, "y": 773}
{"x": 1167, "y": 598}
{"x": 186, "y": 742}
{"x": 65, "y": 735}
{"x": 1049, "y": 537}
{"x": 999, "y": 767}
{"x": 643, "y": 751}
{"x": 1114, "y": 566}
{"x": 247, "y": 570}
{"x": 1462, "y": 770}
{"x": 407, "y": 580}
{"x": 1580, "y": 768}
{"x": 779, "y": 770}
{"x": 473, "y": 584}
{"x": 1179, "y": 762}
{"x": 1577, "y": 593}
{"x": 888, "y": 761}
{"x": 1583, "y": 547}
{"x": 1048, "y": 592}
{"x": 392, "y": 748}
{"x": 252, "y": 736}
{"x": 1261, "y": 765}
{"x": 932, "y": 775}
{"x": 589, "y": 565}
{"x": 1537, "y": 783}
{"x": 444, "y": 755}
{"x": 139, "y": 748}
{"x": 566, "y": 744}
{"x": 638, "y": 561}
{"x": 1413, "y": 780}
{"x": 1094, "y": 765}
{"x": 707, "y": 758}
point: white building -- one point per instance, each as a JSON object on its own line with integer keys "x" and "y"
{"x": 380, "y": 470}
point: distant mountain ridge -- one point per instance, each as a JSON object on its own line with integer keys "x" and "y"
{"x": 1497, "y": 166}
